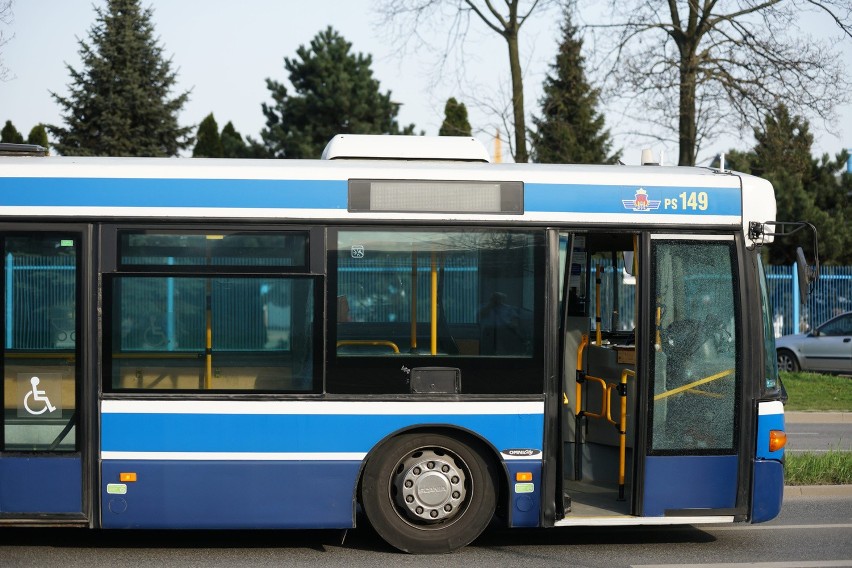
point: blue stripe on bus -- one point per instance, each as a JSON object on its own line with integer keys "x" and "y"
{"x": 552, "y": 198}
{"x": 137, "y": 192}
{"x": 296, "y": 433}
{"x": 333, "y": 194}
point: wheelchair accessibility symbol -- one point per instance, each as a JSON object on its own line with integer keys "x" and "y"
{"x": 35, "y": 396}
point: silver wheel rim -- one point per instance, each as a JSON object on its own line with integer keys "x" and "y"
{"x": 429, "y": 487}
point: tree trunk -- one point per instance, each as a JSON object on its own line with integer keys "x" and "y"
{"x": 517, "y": 97}
{"x": 687, "y": 126}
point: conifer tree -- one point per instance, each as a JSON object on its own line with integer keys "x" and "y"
{"x": 805, "y": 189}
{"x": 121, "y": 102}
{"x": 38, "y": 136}
{"x": 334, "y": 92}
{"x": 208, "y": 143}
{"x": 10, "y": 134}
{"x": 455, "y": 119}
{"x": 233, "y": 145}
{"x": 570, "y": 128}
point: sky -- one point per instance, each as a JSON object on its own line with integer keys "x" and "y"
{"x": 224, "y": 51}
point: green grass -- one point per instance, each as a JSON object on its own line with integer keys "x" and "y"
{"x": 810, "y": 391}
{"x": 814, "y": 392}
{"x": 829, "y": 468}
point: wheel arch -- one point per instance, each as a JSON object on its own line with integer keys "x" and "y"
{"x": 462, "y": 434}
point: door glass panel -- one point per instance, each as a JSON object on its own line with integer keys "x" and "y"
{"x": 39, "y": 342}
{"x": 696, "y": 350}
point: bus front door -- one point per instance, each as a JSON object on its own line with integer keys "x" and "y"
{"x": 691, "y": 461}
{"x": 41, "y": 462}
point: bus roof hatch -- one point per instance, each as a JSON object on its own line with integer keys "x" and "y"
{"x": 386, "y": 147}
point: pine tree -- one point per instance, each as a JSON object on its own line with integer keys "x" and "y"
{"x": 208, "y": 143}
{"x": 233, "y": 145}
{"x": 805, "y": 189}
{"x": 455, "y": 119}
{"x": 121, "y": 102}
{"x": 38, "y": 136}
{"x": 334, "y": 92}
{"x": 570, "y": 129}
{"x": 10, "y": 134}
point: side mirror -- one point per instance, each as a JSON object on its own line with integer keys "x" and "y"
{"x": 804, "y": 275}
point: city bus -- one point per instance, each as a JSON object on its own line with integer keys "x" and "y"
{"x": 401, "y": 333}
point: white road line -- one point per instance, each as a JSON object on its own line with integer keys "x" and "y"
{"x": 797, "y": 564}
{"x": 715, "y": 528}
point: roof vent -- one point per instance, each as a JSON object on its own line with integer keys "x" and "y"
{"x": 648, "y": 158}
{"x": 386, "y": 147}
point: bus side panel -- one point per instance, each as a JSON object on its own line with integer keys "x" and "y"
{"x": 671, "y": 481}
{"x": 233, "y": 494}
{"x": 35, "y": 484}
{"x": 768, "y": 490}
{"x": 292, "y": 464}
{"x": 525, "y": 495}
{"x": 768, "y": 482}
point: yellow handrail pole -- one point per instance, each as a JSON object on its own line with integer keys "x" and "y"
{"x": 208, "y": 367}
{"x": 414, "y": 300}
{"x": 599, "y": 272}
{"x": 694, "y": 384}
{"x": 578, "y": 404}
{"x": 658, "y": 343}
{"x": 604, "y": 398}
{"x": 208, "y": 374}
{"x": 580, "y": 374}
{"x": 433, "y": 349}
{"x": 622, "y": 432}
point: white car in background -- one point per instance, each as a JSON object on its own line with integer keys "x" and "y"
{"x": 828, "y": 348}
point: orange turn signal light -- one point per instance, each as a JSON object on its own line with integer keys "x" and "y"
{"x": 777, "y": 440}
{"x": 523, "y": 476}
{"x": 125, "y": 477}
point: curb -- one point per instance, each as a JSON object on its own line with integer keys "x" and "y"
{"x": 799, "y": 417}
{"x": 803, "y": 491}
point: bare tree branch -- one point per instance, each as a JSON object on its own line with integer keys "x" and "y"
{"x": 406, "y": 19}
{"x": 725, "y": 69}
{"x": 6, "y": 18}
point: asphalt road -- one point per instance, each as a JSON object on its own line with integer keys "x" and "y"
{"x": 818, "y": 431}
{"x": 811, "y": 531}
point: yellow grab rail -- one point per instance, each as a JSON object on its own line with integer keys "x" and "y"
{"x": 694, "y": 384}
{"x": 379, "y": 343}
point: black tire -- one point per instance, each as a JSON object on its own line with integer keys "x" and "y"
{"x": 429, "y": 493}
{"x": 787, "y": 361}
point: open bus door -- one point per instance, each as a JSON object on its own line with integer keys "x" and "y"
{"x": 42, "y": 465}
{"x": 692, "y": 462}
{"x": 651, "y": 379}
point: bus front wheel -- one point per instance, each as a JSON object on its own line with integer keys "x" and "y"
{"x": 429, "y": 493}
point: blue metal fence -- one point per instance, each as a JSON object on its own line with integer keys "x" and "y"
{"x": 829, "y": 296}
{"x": 43, "y": 317}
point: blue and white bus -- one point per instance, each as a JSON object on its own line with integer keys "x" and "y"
{"x": 400, "y": 329}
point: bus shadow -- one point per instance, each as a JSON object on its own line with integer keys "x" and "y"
{"x": 363, "y": 538}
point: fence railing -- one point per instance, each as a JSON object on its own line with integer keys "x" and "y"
{"x": 37, "y": 318}
{"x": 829, "y": 296}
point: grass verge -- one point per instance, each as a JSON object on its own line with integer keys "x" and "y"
{"x": 810, "y": 391}
{"x": 829, "y": 468}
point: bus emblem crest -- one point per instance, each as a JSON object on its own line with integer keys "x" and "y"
{"x": 640, "y": 202}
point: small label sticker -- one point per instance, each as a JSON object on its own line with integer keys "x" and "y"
{"x": 66, "y": 243}
{"x": 116, "y": 488}
{"x": 524, "y": 487}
